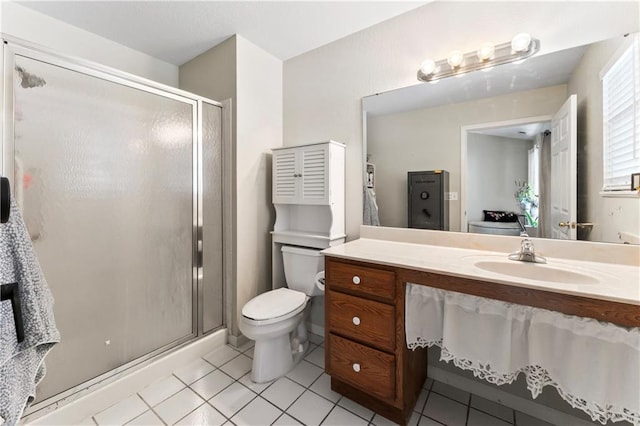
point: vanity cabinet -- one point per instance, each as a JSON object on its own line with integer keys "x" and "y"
{"x": 365, "y": 350}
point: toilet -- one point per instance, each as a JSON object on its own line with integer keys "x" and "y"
{"x": 275, "y": 319}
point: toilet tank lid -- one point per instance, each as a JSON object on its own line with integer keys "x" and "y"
{"x": 273, "y": 304}
{"x": 301, "y": 250}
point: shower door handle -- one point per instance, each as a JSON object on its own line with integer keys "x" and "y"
{"x": 199, "y": 255}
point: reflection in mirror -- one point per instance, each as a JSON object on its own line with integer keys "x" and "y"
{"x": 471, "y": 126}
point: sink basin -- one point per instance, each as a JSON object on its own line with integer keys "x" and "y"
{"x": 536, "y": 271}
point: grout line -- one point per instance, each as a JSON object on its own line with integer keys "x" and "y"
{"x": 150, "y": 408}
{"x": 191, "y": 412}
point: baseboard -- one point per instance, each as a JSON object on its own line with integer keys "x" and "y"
{"x": 237, "y": 341}
{"x": 106, "y": 396}
{"x": 518, "y": 403}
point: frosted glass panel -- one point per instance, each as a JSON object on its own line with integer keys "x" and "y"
{"x": 212, "y": 220}
{"x": 106, "y": 175}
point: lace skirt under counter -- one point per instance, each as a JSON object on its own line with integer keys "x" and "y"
{"x": 595, "y": 366}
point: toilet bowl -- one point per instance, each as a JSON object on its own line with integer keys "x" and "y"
{"x": 275, "y": 319}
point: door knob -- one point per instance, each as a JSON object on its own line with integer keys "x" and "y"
{"x": 565, "y": 225}
{"x": 356, "y": 321}
{"x": 356, "y": 280}
{"x": 356, "y": 367}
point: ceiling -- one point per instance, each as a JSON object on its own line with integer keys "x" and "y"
{"x": 177, "y": 31}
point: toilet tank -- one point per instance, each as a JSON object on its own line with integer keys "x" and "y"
{"x": 300, "y": 268}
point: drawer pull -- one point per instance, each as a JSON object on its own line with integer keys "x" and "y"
{"x": 356, "y": 367}
{"x": 356, "y": 321}
{"x": 356, "y": 280}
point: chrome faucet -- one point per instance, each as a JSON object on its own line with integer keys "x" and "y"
{"x": 527, "y": 253}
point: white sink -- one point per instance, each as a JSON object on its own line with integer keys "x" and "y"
{"x": 537, "y": 271}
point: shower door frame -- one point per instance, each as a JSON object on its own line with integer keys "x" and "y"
{"x": 13, "y": 46}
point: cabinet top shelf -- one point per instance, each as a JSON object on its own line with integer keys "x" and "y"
{"x": 310, "y": 144}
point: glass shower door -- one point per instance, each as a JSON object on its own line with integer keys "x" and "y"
{"x": 104, "y": 172}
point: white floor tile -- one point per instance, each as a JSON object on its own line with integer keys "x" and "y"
{"x": 310, "y": 408}
{"x": 426, "y": 421}
{"x": 527, "y": 420}
{"x": 451, "y": 392}
{"x": 340, "y": 417}
{"x": 445, "y": 410}
{"x": 316, "y": 357}
{"x": 414, "y": 419}
{"x": 315, "y": 339}
{"x": 478, "y": 418}
{"x": 422, "y": 398}
{"x": 322, "y": 386}
{"x": 427, "y": 383}
{"x": 211, "y": 384}
{"x": 237, "y": 367}
{"x": 305, "y": 373}
{"x": 250, "y": 344}
{"x": 493, "y": 408}
{"x": 221, "y": 355}
{"x": 178, "y": 406}
{"x": 148, "y": 418}
{"x": 378, "y": 420}
{"x": 161, "y": 390}
{"x": 283, "y": 392}
{"x": 250, "y": 352}
{"x": 205, "y": 415}
{"x": 286, "y": 420}
{"x": 258, "y": 413}
{"x": 122, "y": 412}
{"x": 232, "y": 399}
{"x": 194, "y": 371}
{"x": 356, "y": 408}
{"x": 86, "y": 422}
{"x": 256, "y": 387}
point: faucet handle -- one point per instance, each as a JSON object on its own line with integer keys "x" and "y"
{"x": 526, "y": 246}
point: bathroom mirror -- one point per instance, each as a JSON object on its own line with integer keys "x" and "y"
{"x": 483, "y": 127}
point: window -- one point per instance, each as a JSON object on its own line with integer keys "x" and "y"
{"x": 621, "y": 117}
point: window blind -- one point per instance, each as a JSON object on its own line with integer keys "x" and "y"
{"x": 621, "y": 119}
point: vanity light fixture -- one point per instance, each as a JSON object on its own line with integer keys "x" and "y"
{"x": 487, "y": 56}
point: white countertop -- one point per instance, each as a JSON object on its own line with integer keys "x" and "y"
{"x": 614, "y": 282}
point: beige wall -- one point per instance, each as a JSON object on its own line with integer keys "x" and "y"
{"x": 323, "y": 88}
{"x": 429, "y": 139}
{"x": 252, "y": 78}
{"x": 35, "y": 27}
{"x": 609, "y": 215}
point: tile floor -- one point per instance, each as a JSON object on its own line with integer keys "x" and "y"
{"x": 217, "y": 390}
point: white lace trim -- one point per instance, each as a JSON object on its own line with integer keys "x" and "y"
{"x": 537, "y": 378}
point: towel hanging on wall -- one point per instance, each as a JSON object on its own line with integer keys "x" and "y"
{"x": 22, "y": 360}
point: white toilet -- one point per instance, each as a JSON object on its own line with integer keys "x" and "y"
{"x": 275, "y": 319}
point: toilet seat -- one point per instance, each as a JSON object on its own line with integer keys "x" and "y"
{"x": 274, "y": 306}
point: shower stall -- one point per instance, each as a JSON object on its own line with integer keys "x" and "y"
{"x": 120, "y": 182}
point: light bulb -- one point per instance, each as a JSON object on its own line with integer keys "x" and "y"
{"x": 520, "y": 42}
{"x": 427, "y": 67}
{"x": 485, "y": 52}
{"x": 455, "y": 58}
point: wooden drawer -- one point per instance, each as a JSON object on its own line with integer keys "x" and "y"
{"x": 361, "y": 319}
{"x": 364, "y": 368}
{"x": 361, "y": 280}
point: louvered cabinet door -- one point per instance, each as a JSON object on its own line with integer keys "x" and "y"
{"x": 285, "y": 177}
{"x": 315, "y": 175}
